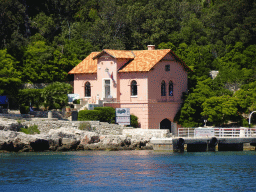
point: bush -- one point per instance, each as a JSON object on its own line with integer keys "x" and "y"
{"x": 107, "y": 114}
{"x": 86, "y": 126}
{"x": 244, "y": 122}
{"x": 24, "y": 109}
{"x": 76, "y": 101}
{"x": 30, "y": 130}
{"x": 134, "y": 121}
{"x": 30, "y": 96}
{"x": 88, "y": 115}
{"x": 56, "y": 93}
{"x": 56, "y": 106}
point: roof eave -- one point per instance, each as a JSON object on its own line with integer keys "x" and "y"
{"x": 82, "y": 73}
{"x": 101, "y": 53}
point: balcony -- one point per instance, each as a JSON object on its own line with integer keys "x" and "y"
{"x": 109, "y": 100}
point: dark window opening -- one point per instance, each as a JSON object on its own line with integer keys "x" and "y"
{"x": 167, "y": 67}
{"x": 170, "y": 88}
{"x": 134, "y": 88}
{"x": 163, "y": 91}
{"x": 87, "y": 88}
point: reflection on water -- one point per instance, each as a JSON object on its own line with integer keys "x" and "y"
{"x": 128, "y": 170}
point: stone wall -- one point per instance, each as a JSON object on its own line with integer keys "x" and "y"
{"x": 44, "y": 114}
{"x": 146, "y": 133}
{"x": 102, "y": 128}
{"x": 110, "y": 129}
{"x": 44, "y": 124}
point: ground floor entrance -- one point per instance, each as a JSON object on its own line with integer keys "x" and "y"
{"x": 166, "y": 124}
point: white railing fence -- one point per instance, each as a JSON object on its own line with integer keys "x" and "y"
{"x": 186, "y": 132}
{"x": 220, "y": 132}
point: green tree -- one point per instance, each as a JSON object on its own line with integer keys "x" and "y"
{"x": 44, "y": 24}
{"x": 31, "y": 97}
{"x": 12, "y": 25}
{"x": 237, "y": 67}
{"x": 10, "y": 79}
{"x": 38, "y": 63}
{"x": 55, "y": 95}
{"x": 246, "y": 97}
{"x": 190, "y": 114}
{"x": 221, "y": 109}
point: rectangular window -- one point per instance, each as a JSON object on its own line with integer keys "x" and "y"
{"x": 167, "y": 67}
{"x": 107, "y": 88}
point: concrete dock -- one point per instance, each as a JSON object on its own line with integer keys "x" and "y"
{"x": 177, "y": 144}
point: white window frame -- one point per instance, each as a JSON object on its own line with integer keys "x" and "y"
{"x": 103, "y": 87}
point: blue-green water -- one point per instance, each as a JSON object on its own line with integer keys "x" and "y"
{"x": 128, "y": 171}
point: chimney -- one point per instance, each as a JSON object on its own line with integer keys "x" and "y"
{"x": 151, "y": 47}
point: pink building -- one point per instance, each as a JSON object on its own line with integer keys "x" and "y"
{"x": 149, "y": 82}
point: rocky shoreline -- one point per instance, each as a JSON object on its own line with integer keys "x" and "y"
{"x": 71, "y": 138}
{"x": 64, "y": 139}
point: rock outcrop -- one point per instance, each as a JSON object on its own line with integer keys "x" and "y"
{"x": 66, "y": 136}
{"x": 65, "y": 139}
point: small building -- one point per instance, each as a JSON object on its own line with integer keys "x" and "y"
{"x": 149, "y": 82}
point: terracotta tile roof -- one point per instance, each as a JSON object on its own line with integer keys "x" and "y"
{"x": 140, "y": 61}
{"x": 88, "y": 65}
{"x": 118, "y": 54}
{"x": 145, "y": 60}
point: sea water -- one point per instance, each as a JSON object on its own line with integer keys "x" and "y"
{"x": 128, "y": 171}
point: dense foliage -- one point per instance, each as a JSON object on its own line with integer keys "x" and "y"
{"x": 30, "y": 97}
{"x": 103, "y": 114}
{"x": 88, "y": 115}
{"x": 42, "y": 41}
{"x": 107, "y": 114}
{"x": 55, "y": 95}
{"x": 134, "y": 121}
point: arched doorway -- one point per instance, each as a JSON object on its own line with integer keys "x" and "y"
{"x": 166, "y": 124}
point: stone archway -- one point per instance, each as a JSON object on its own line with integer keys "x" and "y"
{"x": 166, "y": 124}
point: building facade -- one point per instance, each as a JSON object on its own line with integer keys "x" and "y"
{"x": 149, "y": 82}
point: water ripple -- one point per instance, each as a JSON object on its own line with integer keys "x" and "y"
{"x": 128, "y": 170}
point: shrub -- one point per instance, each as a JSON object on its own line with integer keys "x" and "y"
{"x": 107, "y": 114}
{"x": 30, "y": 96}
{"x": 24, "y": 109}
{"x": 30, "y": 130}
{"x": 244, "y": 122}
{"x": 86, "y": 126}
{"x": 134, "y": 121}
{"x": 56, "y": 93}
{"x": 88, "y": 115}
{"x": 56, "y": 106}
{"x": 76, "y": 101}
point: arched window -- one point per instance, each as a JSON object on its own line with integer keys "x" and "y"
{"x": 163, "y": 91}
{"x": 87, "y": 89}
{"x": 134, "y": 88}
{"x": 170, "y": 88}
